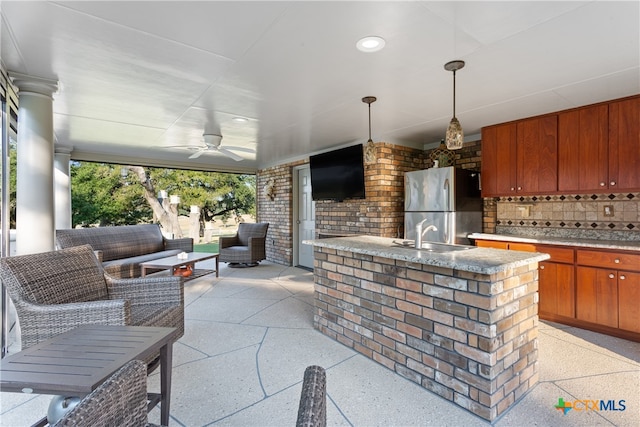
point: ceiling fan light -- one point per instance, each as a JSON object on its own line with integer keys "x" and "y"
{"x": 455, "y": 135}
{"x": 212, "y": 138}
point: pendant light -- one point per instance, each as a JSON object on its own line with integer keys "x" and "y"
{"x": 455, "y": 136}
{"x": 369, "y": 149}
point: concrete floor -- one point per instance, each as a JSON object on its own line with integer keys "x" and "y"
{"x": 249, "y": 336}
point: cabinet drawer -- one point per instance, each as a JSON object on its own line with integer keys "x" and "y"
{"x": 616, "y": 260}
{"x": 562, "y": 255}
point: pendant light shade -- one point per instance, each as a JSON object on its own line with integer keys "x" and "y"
{"x": 455, "y": 135}
{"x": 369, "y": 149}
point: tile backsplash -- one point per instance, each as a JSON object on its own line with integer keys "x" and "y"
{"x": 591, "y": 216}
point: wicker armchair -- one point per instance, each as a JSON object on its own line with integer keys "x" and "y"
{"x": 56, "y": 291}
{"x": 119, "y": 401}
{"x": 247, "y": 246}
{"x": 312, "y": 411}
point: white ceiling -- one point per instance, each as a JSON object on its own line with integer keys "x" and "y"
{"x": 137, "y": 77}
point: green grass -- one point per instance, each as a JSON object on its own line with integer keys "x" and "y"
{"x": 206, "y": 247}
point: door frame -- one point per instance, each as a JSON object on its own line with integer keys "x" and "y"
{"x": 295, "y": 218}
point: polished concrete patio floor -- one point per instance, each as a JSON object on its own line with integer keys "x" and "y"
{"x": 249, "y": 336}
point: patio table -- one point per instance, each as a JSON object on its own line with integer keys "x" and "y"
{"x": 173, "y": 262}
{"x": 76, "y": 362}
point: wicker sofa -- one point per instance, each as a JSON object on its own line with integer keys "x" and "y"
{"x": 121, "y": 249}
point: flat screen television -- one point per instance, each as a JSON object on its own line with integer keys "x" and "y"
{"x": 338, "y": 175}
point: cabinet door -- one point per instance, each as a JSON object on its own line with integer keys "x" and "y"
{"x": 498, "y": 165}
{"x": 624, "y": 145}
{"x": 597, "y": 296}
{"x": 583, "y": 149}
{"x": 537, "y": 155}
{"x": 629, "y": 300}
{"x": 556, "y": 289}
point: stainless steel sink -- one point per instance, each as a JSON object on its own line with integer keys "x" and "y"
{"x": 432, "y": 246}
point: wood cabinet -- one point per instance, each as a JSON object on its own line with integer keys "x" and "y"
{"x": 520, "y": 158}
{"x": 498, "y": 168}
{"x": 594, "y": 289}
{"x": 608, "y": 291}
{"x": 583, "y": 149}
{"x": 591, "y": 149}
{"x": 599, "y": 147}
{"x": 624, "y": 144}
{"x": 537, "y": 153}
{"x": 629, "y": 301}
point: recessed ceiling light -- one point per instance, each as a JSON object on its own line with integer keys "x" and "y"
{"x": 240, "y": 119}
{"x": 370, "y": 44}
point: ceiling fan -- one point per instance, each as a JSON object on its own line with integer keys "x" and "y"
{"x": 212, "y": 142}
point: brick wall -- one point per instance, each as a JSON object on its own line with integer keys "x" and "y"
{"x": 277, "y": 212}
{"x": 382, "y": 212}
{"x": 468, "y": 337}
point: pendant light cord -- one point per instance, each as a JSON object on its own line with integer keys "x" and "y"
{"x": 454, "y": 93}
{"x": 370, "y": 140}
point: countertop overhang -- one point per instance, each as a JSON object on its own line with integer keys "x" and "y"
{"x": 475, "y": 260}
{"x": 624, "y": 245}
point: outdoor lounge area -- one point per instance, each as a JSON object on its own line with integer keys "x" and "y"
{"x": 249, "y": 337}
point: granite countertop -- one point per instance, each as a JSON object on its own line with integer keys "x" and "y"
{"x": 625, "y": 245}
{"x": 475, "y": 260}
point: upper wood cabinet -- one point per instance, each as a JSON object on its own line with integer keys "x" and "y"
{"x": 537, "y": 152}
{"x": 599, "y": 147}
{"x": 590, "y": 149}
{"x": 520, "y": 158}
{"x": 498, "y": 168}
{"x": 624, "y": 144}
{"x": 583, "y": 149}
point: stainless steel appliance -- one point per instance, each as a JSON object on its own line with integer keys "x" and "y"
{"x": 445, "y": 198}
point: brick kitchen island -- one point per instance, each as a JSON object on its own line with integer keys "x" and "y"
{"x": 462, "y": 324}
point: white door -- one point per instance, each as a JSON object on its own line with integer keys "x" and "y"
{"x": 305, "y": 222}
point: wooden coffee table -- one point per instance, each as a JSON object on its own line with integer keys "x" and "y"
{"x": 173, "y": 262}
{"x": 76, "y": 362}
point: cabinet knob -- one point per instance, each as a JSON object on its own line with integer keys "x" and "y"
{"x": 612, "y": 183}
{"x": 612, "y": 276}
{"x": 622, "y": 277}
{"x": 519, "y": 188}
{"x": 542, "y": 267}
{"x": 602, "y": 184}
{"x": 513, "y": 189}
{"x": 617, "y": 261}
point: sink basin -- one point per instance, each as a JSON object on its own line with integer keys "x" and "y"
{"x": 432, "y": 246}
{"x": 444, "y": 247}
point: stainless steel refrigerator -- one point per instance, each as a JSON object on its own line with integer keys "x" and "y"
{"x": 447, "y": 198}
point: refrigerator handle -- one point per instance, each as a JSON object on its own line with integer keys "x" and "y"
{"x": 447, "y": 194}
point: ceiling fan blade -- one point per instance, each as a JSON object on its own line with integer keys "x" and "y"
{"x": 197, "y": 154}
{"x": 231, "y": 154}
{"x": 243, "y": 149}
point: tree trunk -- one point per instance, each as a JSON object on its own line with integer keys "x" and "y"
{"x": 166, "y": 213}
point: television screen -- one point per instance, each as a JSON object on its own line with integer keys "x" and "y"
{"x": 338, "y": 174}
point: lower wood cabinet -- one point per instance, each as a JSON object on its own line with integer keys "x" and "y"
{"x": 629, "y": 301}
{"x": 556, "y": 289}
{"x": 597, "y": 296}
{"x": 587, "y": 288}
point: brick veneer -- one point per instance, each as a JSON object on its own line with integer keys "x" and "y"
{"x": 277, "y": 212}
{"x": 470, "y": 338}
{"x": 381, "y": 213}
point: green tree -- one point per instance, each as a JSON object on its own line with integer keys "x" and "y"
{"x": 101, "y": 195}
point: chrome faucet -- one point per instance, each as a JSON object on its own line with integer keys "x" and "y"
{"x": 420, "y": 232}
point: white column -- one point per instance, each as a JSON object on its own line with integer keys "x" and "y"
{"x": 34, "y": 180}
{"x": 62, "y": 187}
